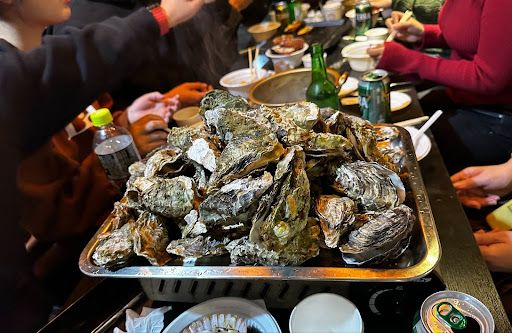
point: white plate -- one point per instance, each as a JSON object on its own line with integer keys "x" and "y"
{"x": 399, "y": 100}
{"x": 422, "y": 145}
{"x": 325, "y": 313}
{"x": 349, "y": 86}
{"x": 256, "y": 316}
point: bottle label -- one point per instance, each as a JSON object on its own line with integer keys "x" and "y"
{"x": 116, "y": 164}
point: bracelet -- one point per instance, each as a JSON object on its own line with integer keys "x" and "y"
{"x": 159, "y": 14}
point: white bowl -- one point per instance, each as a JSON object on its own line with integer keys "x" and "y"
{"x": 357, "y": 56}
{"x": 332, "y": 11}
{"x": 264, "y": 30}
{"x": 325, "y": 313}
{"x": 187, "y": 116}
{"x": 306, "y": 60}
{"x": 377, "y": 34}
{"x": 286, "y": 61}
{"x": 239, "y": 82}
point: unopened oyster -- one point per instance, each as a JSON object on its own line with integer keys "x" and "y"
{"x": 204, "y": 153}
{"x": 193, "y": 226}
{"x": 336, "y": 217}
{"x": 241, "y": 156}
{"x": 167, "y": 197}
{"x": 234, "y": 202}
{"x": 303, "y": 114}
{"x": 288, "y": 208}
{"x": 370, "y": 184}
{"x": 182, "y": 137}
{"x": 197, "y": 247}
{"x": 115, "y": 248}
{"x": 150, "y": 238}
{"x": 385, "y": 236}
{"x": 136, "y": 169}
{"x": 287, "y": 131}
{"x": 327, "y": 144}
{"x": 120, "y": 215}
{"x": 164, "y": 162}
{"x": 222, "y": 98}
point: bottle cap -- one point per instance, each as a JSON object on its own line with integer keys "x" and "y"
{"x": 101, "y": 117}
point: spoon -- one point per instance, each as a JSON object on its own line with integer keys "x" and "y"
{"x": 426, "y": 126}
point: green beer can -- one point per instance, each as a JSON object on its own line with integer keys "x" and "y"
{"x": 374, "y": 96}
{"x": 363, "y": 18}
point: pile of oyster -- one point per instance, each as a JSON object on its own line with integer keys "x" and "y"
{"x": 268, "y": 186}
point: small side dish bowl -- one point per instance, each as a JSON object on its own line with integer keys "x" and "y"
{"x": 187, "y": 116}
{"x": 377, "y": 34}
{"x": 239, "y": 82}
{"x": 287, "y": 61}
{"x": 264, "y": 30}
{"x": 358, "y": 57}
{"x": 306, "y": 60}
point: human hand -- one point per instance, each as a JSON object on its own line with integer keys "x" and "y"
{"x": 179, "y": 11}
{"x": 376, "y": 51}
{"x": 483, "y": 185}
{"x": 411, "y": 31}
{"x": 190, "y": 93}
{"x": 149, "y": 133}
{"x": 381, "y": 3}
{"x": 152, "y": 103}
{"x": 496, "y": 247}
{"x": 240, "y": 5}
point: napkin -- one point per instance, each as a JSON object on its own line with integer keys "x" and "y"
{"x": 148, "y": 321}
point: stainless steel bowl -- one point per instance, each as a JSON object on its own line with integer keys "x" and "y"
{"x": 285, "y": 87}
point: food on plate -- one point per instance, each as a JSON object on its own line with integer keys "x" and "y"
{"x": 218, "y": 323}
{"x": 294, "y": 26}
{"x": 304, "y": 30}
{"x": 261, "y": 185}
{"x": 286, "y": 44}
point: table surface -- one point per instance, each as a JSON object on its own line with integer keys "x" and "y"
{"x": 461, "y": 267}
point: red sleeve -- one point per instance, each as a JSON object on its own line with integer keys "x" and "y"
{"x": 433, "y": 37}
{"x": 490, "y": 71}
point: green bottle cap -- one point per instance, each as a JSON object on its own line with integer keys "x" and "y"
{"x": 101, "y": 117}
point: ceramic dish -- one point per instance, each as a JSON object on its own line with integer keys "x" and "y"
{"x": 239, "y": 82}
{"x": 287, "y": 61}
{"x": 187, "y": 116}
{"x": 399, "y": 100}
{"x": 422, "y": 146}
{"x": 264, "y": 30}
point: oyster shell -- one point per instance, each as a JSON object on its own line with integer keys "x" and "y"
{"x": 370, "y": 184}
{"x": 167, "y": 197}
{"x": 385, "y": 236}
{"x": 303, "y": 114}
{"x": 121, "y": 214}
{"x": 222, "y": 98}
{"x": 193, "y": 226}
{"x": 136, "y": 169}
{"x": 234, "y": 202}
{"x": 287, "y": 131}
{"x": 288, "y": 210}
{"x": 204, "y": 153}
{"x": 241, "y": 156}
{"x": 197, "y": 247}
{"x": 182, "y": 137}
{"x": 115, "y": 248}
{"x": 164, "y": 162}
{"x": 218, "y": 323}
{"x": 336, "y": 215}
{"x": 328, "y": 144}
{"x": 150, "y": 238}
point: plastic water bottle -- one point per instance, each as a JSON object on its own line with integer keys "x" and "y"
{"x": 114, "y": 147}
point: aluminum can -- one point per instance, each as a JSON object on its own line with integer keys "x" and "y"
{"x": 363, "y": 17}
{"x": 374, "y": 96}
{"x": 281, "y": 9}
{"x": 454, "y": 312}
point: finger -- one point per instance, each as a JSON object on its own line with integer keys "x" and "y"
{"x": 396, "y": 16}
{"x": 488, "y": 238}
{"x": 196, "y": 85}
{"x": 157, "y": 136}
{"x": 375, "y": 51}
{"x": 155, "y": 96}
{"x": 470, "y": 203}
{"x": 465, "y": 173}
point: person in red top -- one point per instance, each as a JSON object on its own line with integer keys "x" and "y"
{"x": 477, "y": 76}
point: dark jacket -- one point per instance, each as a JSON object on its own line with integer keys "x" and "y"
{"x": 42, "y": 91}
{"x": 202, "y": 49}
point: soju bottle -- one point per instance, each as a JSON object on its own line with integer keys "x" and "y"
{"x": 291, "y": 11}
{"x": 321, "y": 91}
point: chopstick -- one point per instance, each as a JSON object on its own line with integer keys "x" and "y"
{"x": 255, "y": 59}
{"x": 111, "y": 321}
{"x": 412, "y": 122}
{"x": 407, "y": 15}
{"x": 250, "y": 60}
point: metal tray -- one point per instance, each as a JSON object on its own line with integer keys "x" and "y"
{"x": 418, "y": 260}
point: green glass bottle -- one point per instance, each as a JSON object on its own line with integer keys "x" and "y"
{"x": 321, "y": 91}
{"x": 291, "y": 11}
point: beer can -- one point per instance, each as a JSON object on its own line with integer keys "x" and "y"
{"x": 281, "y": 9}
{"x": 453, "y": 312}
{"x": 363, "y": 18}
{"x": 374, "y": 96}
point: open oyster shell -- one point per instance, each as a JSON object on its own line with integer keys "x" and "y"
{"x": 167, "y": 197}
{"x": 115, "y": 248}
{"x": 336, "y": 216}
{"x": 164, "y": 162}
{"x": 150, "y": 238}
{"x": 370, "y": 184}
{"x": 385, "y": 236}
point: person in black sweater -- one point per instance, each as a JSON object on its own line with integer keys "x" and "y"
{"x": 43, "y": 89}
{"x": 203, "y": 49}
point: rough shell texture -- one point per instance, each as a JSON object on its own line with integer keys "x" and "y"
{"x": 336, "y": 216}
{"x": 182, "y": 137}
{"x": 370, "y": 184}
{"x": 328, "y": 144}
{"x": 222, "y": 98}
{"x": 236, "y": 201}
{"x": 115, "y": 248}
{"x": 150, "y": 238}
{"x": 121, "y": 215}
{"x": 137, "y": 169}
{"x": 167, "y": 197}
{"x": 303, "y": 114}
{"x": 385, "y": 236}
{"x": 204, "y": 153}
{"x": 287, "y": 131}
{"x": 193, "y": 226}
{"x": 197, "y": 247}
{"x": 164, "y": 162}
